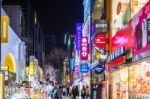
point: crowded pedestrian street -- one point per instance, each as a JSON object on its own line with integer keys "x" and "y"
{"x": 75, "y": 49}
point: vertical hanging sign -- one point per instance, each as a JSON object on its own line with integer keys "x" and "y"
{"x": 84, "y": 48}
{"x": 4, "y": 29}
{"x": 78, "y": 35}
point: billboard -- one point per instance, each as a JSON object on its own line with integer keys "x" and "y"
{"x": 120, "y": 14}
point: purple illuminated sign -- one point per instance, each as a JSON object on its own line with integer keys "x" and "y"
{"x": 78, "y": 35}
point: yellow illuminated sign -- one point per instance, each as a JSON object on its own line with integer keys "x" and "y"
{"x": 4, "y": 29}
{"x": 9, "y": 63}
{"x": 31, "y": 70}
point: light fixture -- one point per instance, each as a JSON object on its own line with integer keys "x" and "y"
{"x": 98, "y": 5}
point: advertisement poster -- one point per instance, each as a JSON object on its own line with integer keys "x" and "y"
{"x": 141, "y": 32}
{"x": 120, "y": 14}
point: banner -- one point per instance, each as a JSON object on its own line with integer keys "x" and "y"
{"x": 78, "y": 35}
{"x": 4, "y": 29}
{"x": 84, "y": 48}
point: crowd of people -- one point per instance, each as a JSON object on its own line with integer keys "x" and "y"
{"x": 59, "y": 91}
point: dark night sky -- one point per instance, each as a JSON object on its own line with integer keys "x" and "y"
{"x": 58, "y": 16}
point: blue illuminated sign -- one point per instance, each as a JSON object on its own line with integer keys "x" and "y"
{"x": 116, "y": 54}
{"x": 72, "y": 64}
{"x": 99, "y": 69}
{"x": 84, "y": 67}
{"x": 78, "y": 35}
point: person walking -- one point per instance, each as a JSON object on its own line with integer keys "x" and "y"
{"x": 54, "y": 92}
{"x": 87, "y": 92}
{"x": 83, "y": 93}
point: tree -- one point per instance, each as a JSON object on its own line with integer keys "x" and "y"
{"x": 56, "y": 57}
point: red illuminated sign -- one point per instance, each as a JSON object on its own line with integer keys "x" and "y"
{"x": 117, "y": 61}
{"x": 123, "y": 38}
{"x": 100, "y": 40}
{"x": 84, "y": 48}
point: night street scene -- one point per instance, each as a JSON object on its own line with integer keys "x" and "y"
{"x": 75, "y": 49}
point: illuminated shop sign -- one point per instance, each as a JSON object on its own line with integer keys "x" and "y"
{"x": 4, "y": 29}
{"x": 99, "y": 69}
{"x": 84, "y": 48}
{"x": 95, "y": 63}
{"x": 117, "y": 61}
{"x": 84, "y": 67}
{"x": 72, "y": 64}
{"x": 123, "y": 38}
{"x": 78, "y": 35}
{"x": 76, "y": 71}
{"x": 100, "y": 40}
{"x": 116, "y": 54}
{"x": 99, "y": 53}
{"x": 101, "y": 26}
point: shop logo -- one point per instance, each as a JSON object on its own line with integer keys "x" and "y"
{"x": 100, "y": 40}
{"x": 84, "y": 67}
{"x": 99, "y": 69}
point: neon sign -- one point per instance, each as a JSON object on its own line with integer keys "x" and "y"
{"x": 78, "y": 35}
{"x": 84, "y": 48}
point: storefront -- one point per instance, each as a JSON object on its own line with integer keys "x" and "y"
{"x": 120, "y": 83}
{"x": 130, "y": 79}
{"x": 131, "y": 82}
{"x": 12, "y": 50}
{"x": 139, "y": 70}
{"x": 139, "y": 79}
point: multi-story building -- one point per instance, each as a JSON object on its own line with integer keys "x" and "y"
{"x": 27, "y": 27}
{"x": 15, "y": 13}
